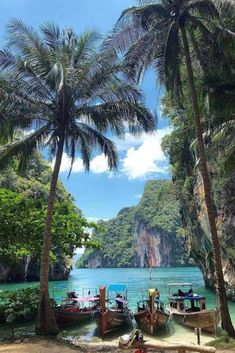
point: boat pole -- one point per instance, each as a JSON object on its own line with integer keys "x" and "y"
{"x": 150, "y": 271}
{"x": 103, "y": 310}
{"x": 151, "y": 306}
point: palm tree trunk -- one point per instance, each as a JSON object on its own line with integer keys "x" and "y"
{"x": 220, "y": 286}
{"x": 46, "y": 323}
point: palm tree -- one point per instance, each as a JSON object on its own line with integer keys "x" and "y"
{"x": 157, "y": 34}
{"x": 61, "y": 87}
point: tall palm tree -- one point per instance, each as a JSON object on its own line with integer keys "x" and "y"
{"x": 157, "y": 34}
{"x": 62, "y": 88}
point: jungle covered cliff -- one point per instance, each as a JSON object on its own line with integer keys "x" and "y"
{"x": 23, "y": 201}
{"x": 138, "y": 234}
{"x": 216, "y": 95}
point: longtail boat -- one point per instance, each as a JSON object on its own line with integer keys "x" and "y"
{"x": 190, "y": 309}
{"x": 150, "y": 315}
{"x": 114, "y": 310}
{"x": 74, "y": 310}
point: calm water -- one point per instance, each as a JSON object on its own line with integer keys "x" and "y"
{"x": 137, "y": 281}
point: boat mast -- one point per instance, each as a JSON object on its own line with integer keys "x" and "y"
{"x": 151, "y": 307}
{"x": 150, "y": 270}
{"x": 103, "y": 310}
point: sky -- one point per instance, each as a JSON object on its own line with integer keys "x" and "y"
{"x": 101, "y": 193}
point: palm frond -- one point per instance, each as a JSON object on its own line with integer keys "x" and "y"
{"x": 100, "y": 142}
{"x": 118, "y": 116}
{"x": 51, "y": 33}
{"x": 204, "y": 8}
{"x": 24, "y": 148}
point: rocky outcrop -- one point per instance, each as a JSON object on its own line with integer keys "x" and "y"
{"x": 150, "y": 245}
{"x": 138, "y": 235}
{"x": 194, "y": 217}
{"x": 28, "y": 269}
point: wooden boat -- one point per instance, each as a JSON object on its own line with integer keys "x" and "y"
{"x": 150, "y": 315}
{"x": 190, "y": 309}
{"x": 77, "y": 310}
{"x": 114, "y": 311}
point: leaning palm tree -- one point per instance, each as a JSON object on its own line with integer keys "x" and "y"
{"x": 68, "y": 94}
{"x": 159, "y": 34}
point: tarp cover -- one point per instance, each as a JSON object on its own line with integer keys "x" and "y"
{"x": 121, "y": 300}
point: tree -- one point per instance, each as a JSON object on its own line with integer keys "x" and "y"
{"x": 60, "y": 86}
{"x": 164, "y": 29}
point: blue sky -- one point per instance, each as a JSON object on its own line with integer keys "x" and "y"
{"x": 100, "y": 194}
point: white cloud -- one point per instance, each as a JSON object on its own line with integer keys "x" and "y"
{"x": 66, "y": 163}
{"x": 96, "y": 219}
{"x": 146, "y": 158}
{"x": 142, "y": 156}
{"x": 99, "y": 164}
{"x": 127, "y": 142}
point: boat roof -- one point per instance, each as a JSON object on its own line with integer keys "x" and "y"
{"x": 180, "y": 284}
{"x": 117, "y": 288}
{"x": 89, "y": 298}
{"x": 187, "y": 297}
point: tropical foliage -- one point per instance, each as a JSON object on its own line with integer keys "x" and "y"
{"x": 18, "y": 305}
{"x": 172, "y": 31}
{"x": 69, "y": 94}
{"x": 22, "y": 216}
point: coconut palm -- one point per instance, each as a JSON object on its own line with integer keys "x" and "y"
{"x": 68, "y": 94}
{"x": 159, "y": 34}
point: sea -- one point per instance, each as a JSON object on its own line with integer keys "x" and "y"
{"x": 137, "y": 280}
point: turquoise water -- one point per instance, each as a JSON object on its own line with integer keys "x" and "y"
{"x": 137, "y": 280}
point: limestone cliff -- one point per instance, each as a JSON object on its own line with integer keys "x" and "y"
{"x": 195, "y": 221}
{"x": 27, "y": 269}
{"x": 139, "y": 233}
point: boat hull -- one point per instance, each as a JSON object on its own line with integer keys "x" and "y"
{"x": 207, "y": 320}
{"x": 151, "y": 323}
{"x": 64, "y": 318}
{"x": 112, "y": 320}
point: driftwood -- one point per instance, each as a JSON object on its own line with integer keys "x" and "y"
{"x": 136, "y": 340}
{"x": 181, "y": 348}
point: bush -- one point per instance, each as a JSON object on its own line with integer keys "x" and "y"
{"x": 18, "y": 305}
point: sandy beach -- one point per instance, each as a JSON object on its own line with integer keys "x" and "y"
{"x": 41, "y": 345}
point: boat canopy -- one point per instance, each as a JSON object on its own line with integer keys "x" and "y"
{"x": 85, "y": 299}
{"x": 117, "y": 288}
{"x": 187, "y": 297}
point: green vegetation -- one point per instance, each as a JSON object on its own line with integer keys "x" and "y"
{"x": 69, "y": 93}
{"x": 159, "y": 207}
{"x": 18, "y": 305}
{"x": 158, "y": 211}
{"x": 115, "y": 240}
{"x": 223, "y": 341}
{"x": 22, "y": 216}
{"x": 176, "y": 34}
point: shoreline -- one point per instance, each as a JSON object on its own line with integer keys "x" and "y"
{"x": 53, "y": 345}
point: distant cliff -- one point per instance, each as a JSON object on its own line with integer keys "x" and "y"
{"x": 139, "y": 233}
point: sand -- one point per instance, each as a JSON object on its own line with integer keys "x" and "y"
{"x": 51, "y": 346}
